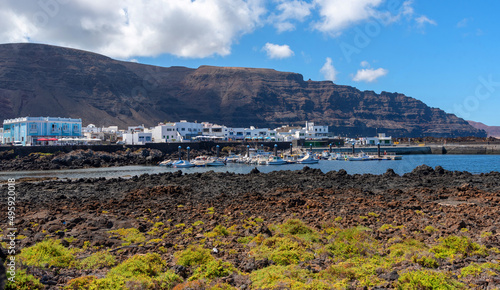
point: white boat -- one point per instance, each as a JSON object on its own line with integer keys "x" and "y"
{"x": 182, "y": 164}
{"x": 166, "y": 163}
{"x": 200, "y": 161}
{"x": 276, "y": 160}
{"x": 308, "y": 159}
{"x": 215, "y": 162}
{"x": 360, "y": 157}
{"x": 233, "y": 158}
{"x": 337, "y": 156}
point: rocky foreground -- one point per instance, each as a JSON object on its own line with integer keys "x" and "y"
{"x": 428, "y": 229}
{"x": 76, "y": 159}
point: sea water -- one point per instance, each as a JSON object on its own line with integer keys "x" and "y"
{"x": 472, "y": 163}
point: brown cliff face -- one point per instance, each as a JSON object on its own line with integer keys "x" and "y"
{"x": 42, "y": 80}
{"x": 492, "y": 131}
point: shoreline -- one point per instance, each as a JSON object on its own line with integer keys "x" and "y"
{"x": 172, "y": 148}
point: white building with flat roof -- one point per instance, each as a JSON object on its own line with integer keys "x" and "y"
{"x": 176, "y": 131}
{"x": 137, "y": 138}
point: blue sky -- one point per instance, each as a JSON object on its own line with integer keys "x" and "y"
{"x": 444, "y": 53}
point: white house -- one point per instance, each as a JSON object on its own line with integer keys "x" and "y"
{"x": 176, "y": 132}
{"x": 381, "y": 138}
{"x": 137, "y": 138}
{"x": 166, "y": 133}
{"x": 260, "y": 133}
{"x": 135, "y": 129}
{"x": 314, "y": 131}
{"x": 214, "y": 130}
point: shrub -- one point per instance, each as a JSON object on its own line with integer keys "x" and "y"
{"x": 291, "y": 276}
{"x": 407, "y": 248}
{"x": 80, "y": 283}
{"x": 452, "y": 246}
{"x": 222, "y": 286}
{"x": 426, "y": 279}
{"x": 352, "y": 242}
{"x": 296, "y": 227}
{"x": 219, "y": 230}
{"x": 477, "y": 269}
{"x": 138, "y": 272}
{"x": 48, "y": 253}
{"x": 212, "y": 269}
{"x": 98, "y": 260}
{"x": 193, "y": 256}
{"x": 24, "y": 281}
{"x": 282, "y": 250}
{"x": 425, "y": 261}
{"x": 150, "y": 265}
{"x": 129, "y": 236}
{"x": 168, "y": 280}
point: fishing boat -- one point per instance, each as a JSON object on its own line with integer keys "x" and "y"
{"x": 308, "y": 159}
{"x": 276, "y": 160}
{"x": 215, "y": 162}
{"x": 337, "y": 156}
{"x": 182, "y": 164}
{"x": 200, "y": 161}
{"x": 166, "y": 163}
{"x": 360, "y": 157}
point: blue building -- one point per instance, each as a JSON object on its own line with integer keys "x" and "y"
{"x": 36, "y": 130}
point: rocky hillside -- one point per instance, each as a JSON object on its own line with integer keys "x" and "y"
{"x": 42, "y": 80}
{"x": 492, "y": 131}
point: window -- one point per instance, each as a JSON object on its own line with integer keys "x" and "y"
{"x": 65, "y": 128}
{"x": 183, "y": 129}
{"x": 249, "y": 133}
{"x": 33, "y": 126}
{"x": 54, "y": 127}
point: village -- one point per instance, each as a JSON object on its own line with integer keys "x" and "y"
{"x": 32, "y": 131}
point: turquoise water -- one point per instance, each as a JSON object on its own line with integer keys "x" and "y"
{"x": 472, "y": 163}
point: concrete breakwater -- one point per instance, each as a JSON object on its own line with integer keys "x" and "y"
{"x": 465, "y": 149}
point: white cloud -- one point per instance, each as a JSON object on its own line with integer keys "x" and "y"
{"x": 328, "y": 70}
{"x": 132, "y": 28}
{"x": 364, "y": 63}
{"x": 423, "y": 20}
{"x": 337, "y": 15}
{"x": 368, "y": 74}
{"x": 277, "y": 51}
{"x": 463, "y": 23}
{"x": 407, "y": 9}
{"x": 295, "y": 10}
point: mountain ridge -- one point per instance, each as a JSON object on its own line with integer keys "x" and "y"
{"x": 42, "y": 80}
{"x": 492, "y": 131}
